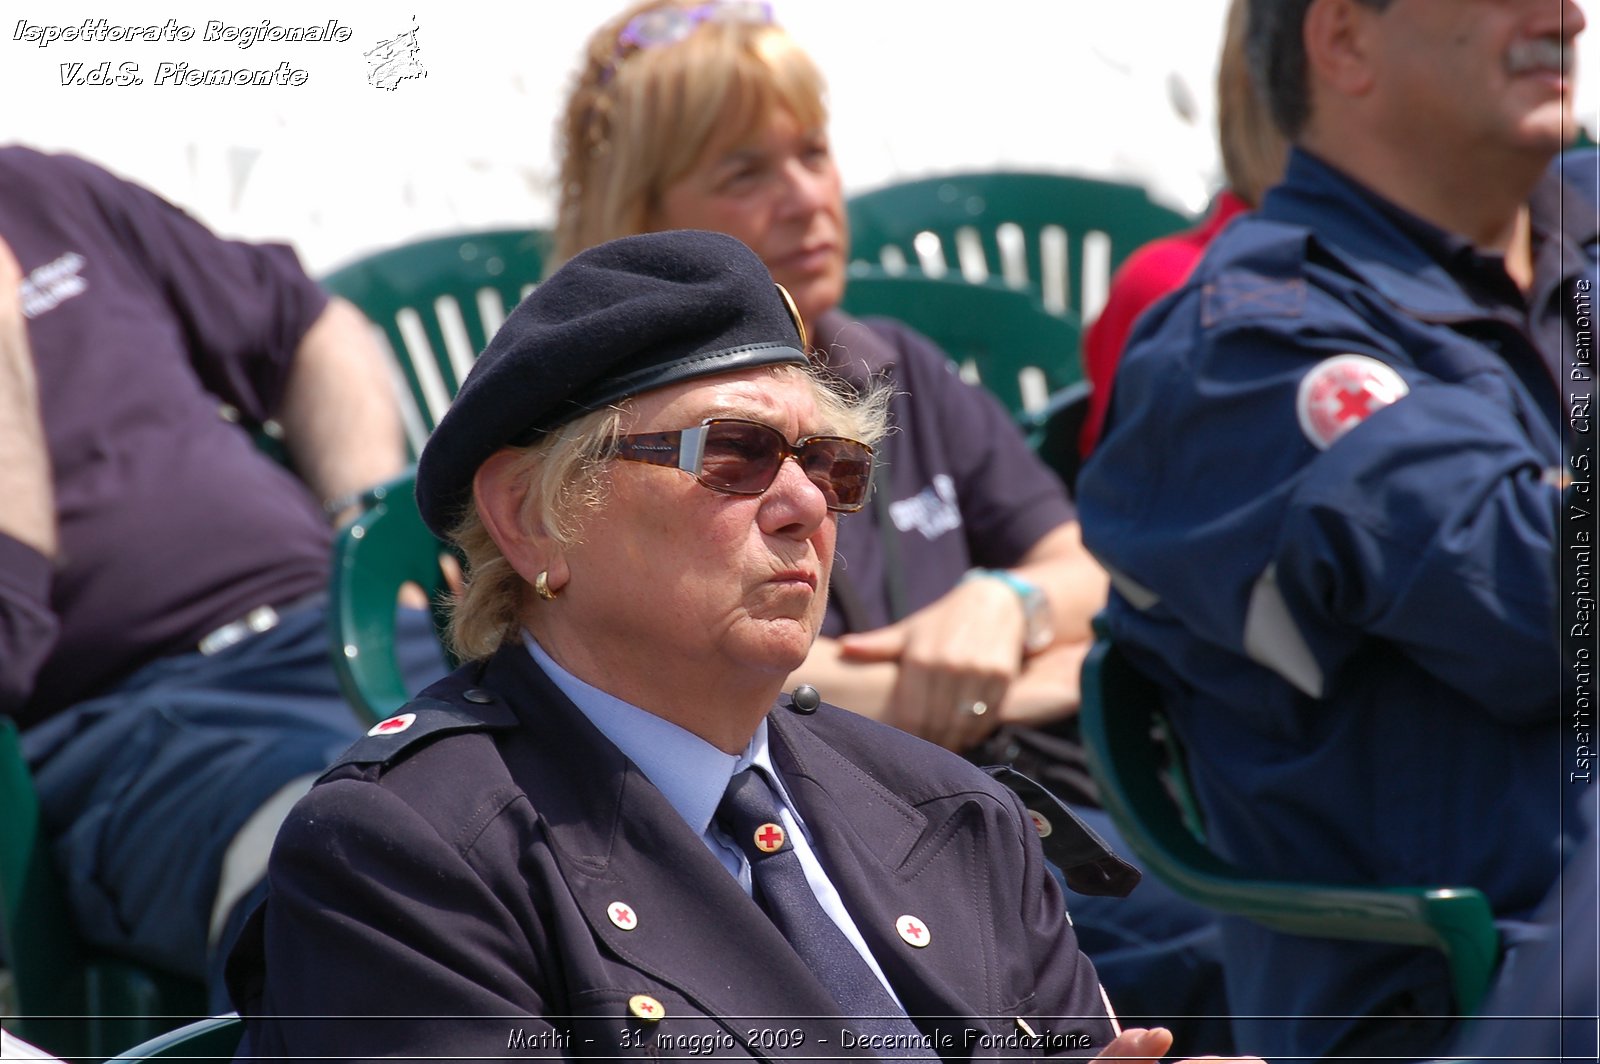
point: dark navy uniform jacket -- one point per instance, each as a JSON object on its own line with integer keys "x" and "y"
{"x": 449, "y": 890}
{"x": 1352, "y": 600}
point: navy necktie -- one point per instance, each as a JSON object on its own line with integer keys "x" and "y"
{"x": 749, "y": 815}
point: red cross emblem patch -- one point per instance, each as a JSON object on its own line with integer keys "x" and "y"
{"x": 622, "y": 914}
{"x": 1341, "y": 392}
{"x": 1041, "y": 823}
{"x": 913, "y": 931}
{"x": 646, "y": 1007}
{"x": 393, "y": 725}
{"x": 769, "y": 838}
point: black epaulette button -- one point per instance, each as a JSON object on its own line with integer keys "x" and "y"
{"x": 478, "y": 695}
{"x": 805, "y": 699}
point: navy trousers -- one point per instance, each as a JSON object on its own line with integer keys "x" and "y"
{"x": 144, "y": 787}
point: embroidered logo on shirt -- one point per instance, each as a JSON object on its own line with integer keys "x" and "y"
{"x": 1341, "y": 392}
{"x": 931, "y": 511}
{"x": 52, "y": 284}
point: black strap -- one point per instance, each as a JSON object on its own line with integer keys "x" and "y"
{"x": 1084, "y": 858}
{"x": 894, "y": 576}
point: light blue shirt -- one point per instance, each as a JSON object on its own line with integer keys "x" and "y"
{"x": 692, "y": 775}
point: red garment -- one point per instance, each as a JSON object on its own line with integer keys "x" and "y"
{"x": 1148, "y": 274}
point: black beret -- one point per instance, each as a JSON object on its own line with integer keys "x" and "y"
{"x": 617, "y": 320}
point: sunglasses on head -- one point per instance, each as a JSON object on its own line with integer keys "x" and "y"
{"x": 669, "y": 25}
{"x": 738, "y": 457}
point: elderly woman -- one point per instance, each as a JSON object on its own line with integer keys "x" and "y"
{"x": 961, "y": 596}
{"x": 607, "y": 834}
{"x": 962, "y": 602}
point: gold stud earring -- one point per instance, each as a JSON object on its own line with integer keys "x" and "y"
{"x": 541, "y": 586}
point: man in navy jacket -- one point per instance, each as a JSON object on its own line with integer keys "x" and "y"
{"x": 1346, "y": 464}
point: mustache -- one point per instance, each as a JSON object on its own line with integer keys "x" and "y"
{"x": 1541, "y": 53}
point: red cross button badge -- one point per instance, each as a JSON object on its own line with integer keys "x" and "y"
{"x": 769, "y": 838}
{"x": 393, "y": 725}
{"x": 1341, "y": 392}
{"x": 646, "y": 1008}
{"x": 914, "y": 931}
{"x": 1041, "y": 823}
{"x": 622, "y": 915}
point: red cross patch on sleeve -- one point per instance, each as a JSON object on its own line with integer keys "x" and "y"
{"x": 1341, "y": 392}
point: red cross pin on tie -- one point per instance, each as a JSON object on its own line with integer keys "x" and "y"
{"x": 622, "y": 914}
{"x": 913, "y": 931}
{"x": 393, "y": 725}
{"x": 769, "y": 838}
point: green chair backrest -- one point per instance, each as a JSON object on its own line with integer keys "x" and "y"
{"x": 1059, "y": 235}
{"x": 373, "y": 556}
{"x": 1053, "y": 431}
{"x": 1002, "y": 338}
{"x": 212, "y": 1039}
{"x": 438, "y": 301}
{"x": 70, "y": 999}
{"x": 1121, "y": 719}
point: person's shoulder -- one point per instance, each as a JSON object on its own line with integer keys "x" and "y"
{"x": 1254, "y": 275}
{"x": 439, "y": 753}
{"x": 880, "y": 345}
{"x": 915, "y": 769}
{"x": 25, "y": 167}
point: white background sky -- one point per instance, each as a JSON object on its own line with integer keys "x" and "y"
{"x": 340, "y": 168}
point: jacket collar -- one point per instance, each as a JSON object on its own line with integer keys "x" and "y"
{"x": 1406, "y": 258}
{"x": 610, "y": 830}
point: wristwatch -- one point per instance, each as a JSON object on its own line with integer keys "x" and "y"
{"x": 1040, "y": 631}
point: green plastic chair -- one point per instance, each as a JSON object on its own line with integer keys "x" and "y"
{"x": 1003, "y": 338}
{"x": 438, "y": 301}
{"x": 373, "y": 556}
{"x": 1059, "y": 235}
{"x": 215, "y": 1038}
{"x": 1053, "y": 431}
{"x": 70, "y": 999}
{"x": 1128, "y": 741}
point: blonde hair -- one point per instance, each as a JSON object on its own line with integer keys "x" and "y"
{"x": 565, "y": 477}
{"x": 1254, "y": 152}
{"x": 636, "y": 124}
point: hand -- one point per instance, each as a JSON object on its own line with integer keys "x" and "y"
{"x": 1138, "y": 1045}
{"x": 12, "y": 329}
{"x": 963, "y": 650}
{"x": 1050, "y": 687}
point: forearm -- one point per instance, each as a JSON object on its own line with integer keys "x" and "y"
{"x": 339, "y": 416}
{"x": 28, "y": 514}
{"x": 1048, "y": 688}
{"x": 1071, "y": 579}
{"x": 28, "y": 546}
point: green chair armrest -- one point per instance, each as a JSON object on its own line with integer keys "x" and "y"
{"x": 214, "y": 1038}
{"x": 373, "y": 556}
{"x": 1121, "y": 710}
